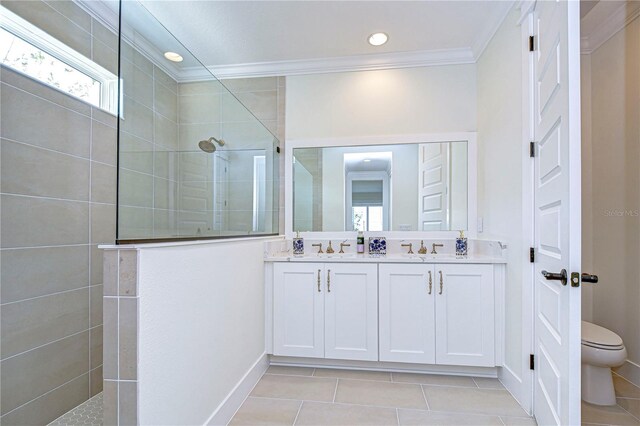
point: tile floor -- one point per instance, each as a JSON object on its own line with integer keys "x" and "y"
{"x": 307, "y": 396}
{"x": 627, "y": 412}
{"x": 89, "y": 413}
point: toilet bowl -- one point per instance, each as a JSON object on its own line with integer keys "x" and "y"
{"x": 601, "y": 350}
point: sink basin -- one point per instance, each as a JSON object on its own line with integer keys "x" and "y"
{"x": 412, "y": 256}
{"x": 439, "y": 256}
{"x": 335, "y": 255}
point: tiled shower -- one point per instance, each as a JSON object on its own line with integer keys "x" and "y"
{"x": 59, "y": 199}
{"x": 58, "y": 203}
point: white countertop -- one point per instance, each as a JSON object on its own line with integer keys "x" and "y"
{"x": 389, "y": 258}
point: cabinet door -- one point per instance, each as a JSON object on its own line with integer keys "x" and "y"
{"x": 351, "y": 311}
{"x": 465, "y": 325}
{"x": 407, "y": 329}
{"x": 298, "y": 309}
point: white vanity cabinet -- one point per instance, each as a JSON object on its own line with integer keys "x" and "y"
{"x": 407, "y": 313}
{"x": 465, "y": 315}
{"x": 437, "y": 314}
{"x": 325, "y": 310}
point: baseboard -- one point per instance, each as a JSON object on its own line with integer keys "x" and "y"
{"x": 630, "y": 371}
{"x": 450, "y": 370}
{"x": 226, "y": 410}
{"x": 516, "y": 387}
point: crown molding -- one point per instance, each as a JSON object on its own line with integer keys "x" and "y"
{"x": 337, "y": 64}
{"x": 102, "y": 12}
{"x": 107, "y": 14}
{"x": 481, "y": 42}
{"x": 609, "y": 26}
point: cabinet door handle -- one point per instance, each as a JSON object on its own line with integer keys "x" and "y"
{"x": 430, "y": 282}
{"x": 441, "y": 282}
{"x": 318, "y": 280}
{"x": 329, "y": 281}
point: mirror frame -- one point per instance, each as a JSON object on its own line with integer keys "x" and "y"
{"x": 472, "y": 181}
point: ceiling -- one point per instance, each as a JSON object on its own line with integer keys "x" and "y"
{"x": 230, "y": 33}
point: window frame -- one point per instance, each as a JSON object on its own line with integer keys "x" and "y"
{"x": 38, "y": 38}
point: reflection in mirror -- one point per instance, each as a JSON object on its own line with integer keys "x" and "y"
{"x": 402, "y": 187}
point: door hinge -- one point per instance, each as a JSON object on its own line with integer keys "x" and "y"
{"x": 531, "y": 44}
{"x": 532, "y": 149}
{"x": 532, "y": 254}
{"x": 532, "y": 363}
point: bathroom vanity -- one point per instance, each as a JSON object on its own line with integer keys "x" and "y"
{"x": 420, "y": 310}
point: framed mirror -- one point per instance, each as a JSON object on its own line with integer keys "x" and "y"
{"x": 401, "y": 186}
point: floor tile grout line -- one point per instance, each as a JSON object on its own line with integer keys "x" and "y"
{"x": 385, "y": 381}
{"x": 398, "y": 408}
{"x": 335, "y": 391}
{"x": 247, "y": 397}
{"x": 628, "y": 412}
{"x": 397, "y": 416}
{"x": 424, "y": 395}
{"x": 298, "y": 413}
{"x": 476, "y": 383}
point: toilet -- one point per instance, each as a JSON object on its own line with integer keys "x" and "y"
{"x": 602, "y": 349}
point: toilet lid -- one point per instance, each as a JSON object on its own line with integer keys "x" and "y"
{"x": 597, "y": 335}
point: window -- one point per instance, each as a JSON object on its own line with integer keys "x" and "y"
{"x": 368, "y": 218}
{"x": 30, "y": 51}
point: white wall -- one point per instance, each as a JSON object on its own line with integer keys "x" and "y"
{"x": 587, "y": 198}
{"x": 387, "y": 102}
{"x": 615, "y": 187}
{"x": 500, "y": 154}
{"x": 201, "y": 326}
{"x": 459, "y": 190}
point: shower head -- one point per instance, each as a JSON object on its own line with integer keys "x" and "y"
{"x": 208, "y": 146}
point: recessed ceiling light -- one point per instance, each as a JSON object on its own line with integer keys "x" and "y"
{"x": 378, "y": 39}
{"x": 367, "y": 160}
{"x": 173, "y": 56}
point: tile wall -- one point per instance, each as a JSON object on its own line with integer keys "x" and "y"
{"x": 148, "y": 145}
{"x": 121, "y": 303}
{"x": 206, "y": 109}
{"x": 58, "y": 195}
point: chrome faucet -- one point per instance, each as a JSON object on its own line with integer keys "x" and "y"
{"x": 410, "y": 245}
{"x": 319, "y": 245}
{"x": 330, "y": 249}
{"x": 433, "y": 247}
{"x": 422, "y": 249}
{"x": 343, "y": 245}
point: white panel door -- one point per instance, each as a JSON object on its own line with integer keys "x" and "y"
{"x": 556, "y": 118}
{"x": 433, "y": 190}
{"x": 351, "y": 311}
{"x": 465, "y": 317}
{"x": 298, "y": 309}
{"x": 407, "y": 317}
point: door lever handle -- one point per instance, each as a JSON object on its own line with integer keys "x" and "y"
{"x": 552, "y": 276}
{"x": 589, "y": 278}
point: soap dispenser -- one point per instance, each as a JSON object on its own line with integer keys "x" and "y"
{"x": 360, "y": 242}
{"x": 461, "y": 245}
{"x": 298, "y": 245}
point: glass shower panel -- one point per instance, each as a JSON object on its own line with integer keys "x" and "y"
{"x": 194, "y": 162}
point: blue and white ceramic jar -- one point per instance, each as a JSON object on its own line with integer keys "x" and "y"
{"x": 461, "y": 245}
{"x": 298, "y": 245}
{"x": 377, "y": 246}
